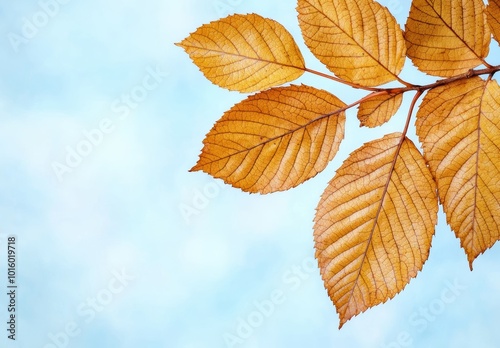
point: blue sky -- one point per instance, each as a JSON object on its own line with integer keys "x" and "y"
{"x": 106, "y": 258}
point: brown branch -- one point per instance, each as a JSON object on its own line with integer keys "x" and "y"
{"x": 411, "y": 87}
{"x": 354, "y": 85}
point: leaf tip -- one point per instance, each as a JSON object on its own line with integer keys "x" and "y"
{"x": 195, "y": 168}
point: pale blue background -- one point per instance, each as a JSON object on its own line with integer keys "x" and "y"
{"x": 195, "y": 278}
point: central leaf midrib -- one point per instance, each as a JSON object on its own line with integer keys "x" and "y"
{"x": 291, "y": 131}
{"x": 376, "y": 218}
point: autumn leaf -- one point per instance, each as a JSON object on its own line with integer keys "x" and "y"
{"x": 374, "y": 224}
{"x": 459, "y": 127}
{"x": 376, "y": 219}
{"x": 493, "y": 15}
{"x": 379, "y": 109}
{"x": 246, "y": 53}
{"x": 446, "y": 38}
{"x": 274, "y": 140}
{"x": 359, "y": 41}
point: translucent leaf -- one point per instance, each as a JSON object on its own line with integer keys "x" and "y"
{"x": 274, "y": 140}
{"x": 446, "y": 38}
{"x": 374, "y": 224}
{"x": 359, "y": 41}
{"x": 493, "y": 14}
{"x": 246, "y": 53}
{"x": 459, "y": 127}
{"x": 379, "y": 109}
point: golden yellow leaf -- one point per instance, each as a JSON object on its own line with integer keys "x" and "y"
{"x": 459, "y": 127}
{"x": 493, "y": 15}
{"x": 379, "y": 109}
{"x": 446, "y": 38}
{"x": 374, "y": 224}
{"x": 359, "y": 41}
{"x": 246, "y": 53}
{"x": 275, "y": 139}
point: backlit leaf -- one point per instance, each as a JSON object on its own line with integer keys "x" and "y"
{"x": 274, "y": 140}
{"x": 246, "y": 53}
{"x": 374, "y": 224}
{"x": 493, "y": 14}
{"x": 379, "y": 109}
{"x": 359, "y": 41}
{"x": 459, "y": 127}
{"x": 446, "y": 38}
{"x": 375, "y": 221}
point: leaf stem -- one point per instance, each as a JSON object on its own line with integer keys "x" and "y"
{"x": 490, "y": 70}
{"x": 399, "y": 90}
{"x": 410, "y": 111}
{"x": 407, "y": 84}
{"x": 485, "y": 63}
{"x": 471, "y": 73}
{"x": 354, "y": 85}
{"x": 347, "y": 107}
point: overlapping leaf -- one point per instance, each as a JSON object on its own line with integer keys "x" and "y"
{"x": 446, "y": 38}
{"x": 359, "y": 41}
{"x": 374, "y": 224}
{"x": 246, "y": 53}
{"x": 493, "y": 12}
{"x": 375, "y": 221}
{"x": 379, "y": 109}
{"x": 459, "y": 127}
{"x": 274, "y": 140}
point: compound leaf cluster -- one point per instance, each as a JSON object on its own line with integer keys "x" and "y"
{"x": 376, "y": 219}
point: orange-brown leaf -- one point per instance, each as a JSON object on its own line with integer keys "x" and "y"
{"x": 459, "y": 127}
{"x": 379, "y": 109}
{"x": 493, "y": 15}
{"x": 359, "y": 41}
{"x": 447, "y": 38}
{"x": 246, "y": 53}
{"x": 274, "y": 140}
{"x": 374, "y": 224}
